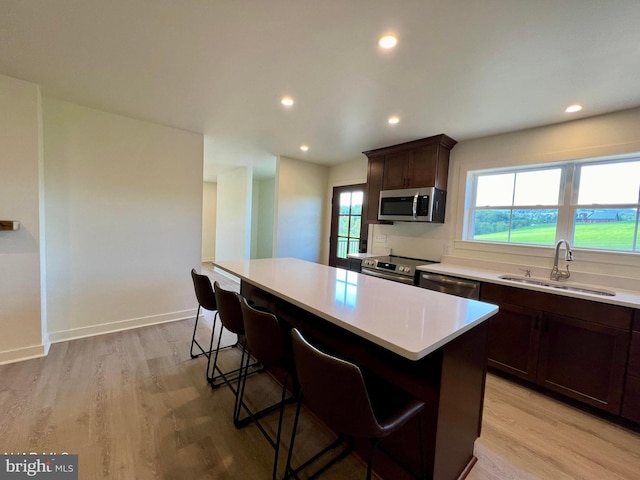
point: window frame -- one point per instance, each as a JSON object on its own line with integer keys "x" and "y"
{"x": 567, "y": 206}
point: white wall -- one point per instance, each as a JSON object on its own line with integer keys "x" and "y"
{"x": 301, "y": 189}
{"x": 263, "y": 218}
{"x": 21, "y": 271}
{"x": 124, "y": 212}
{"x": 605, "y": 135}
{"x": 209, "y": 200}
{"x": 601, "y": 136}
{"x": 233, "y": 214}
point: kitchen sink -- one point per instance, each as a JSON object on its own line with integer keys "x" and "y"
{"x": 560, "y": 286}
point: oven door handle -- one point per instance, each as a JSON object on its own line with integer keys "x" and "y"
{"x": 387, "y": 276}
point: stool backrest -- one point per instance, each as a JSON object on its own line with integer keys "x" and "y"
{"x": 229, "y": 309}
{"x": 204, "y": 291}
{"x": 334, "y": 389}
{"x": 264, "y": 336}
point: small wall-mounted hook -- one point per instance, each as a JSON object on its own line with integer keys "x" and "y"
{"x": 9, "y": 225}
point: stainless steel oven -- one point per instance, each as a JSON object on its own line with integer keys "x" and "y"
{"x": 393, "y": 267}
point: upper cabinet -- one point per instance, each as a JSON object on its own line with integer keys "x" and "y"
{"x": 420, "y": 163}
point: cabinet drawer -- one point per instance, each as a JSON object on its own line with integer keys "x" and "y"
{"x": 596, "y": 312}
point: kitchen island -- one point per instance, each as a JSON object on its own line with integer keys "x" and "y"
{"x": 431, "y": 345}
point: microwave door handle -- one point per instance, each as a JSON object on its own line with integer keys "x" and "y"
{"x": 415, "y": 205}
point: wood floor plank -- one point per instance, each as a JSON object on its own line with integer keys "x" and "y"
{"x": 133, "y": 404}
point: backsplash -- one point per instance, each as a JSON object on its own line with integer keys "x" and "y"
{"x": 409, "y": 240}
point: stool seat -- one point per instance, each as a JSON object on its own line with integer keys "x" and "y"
{"x": 335, "y": 390}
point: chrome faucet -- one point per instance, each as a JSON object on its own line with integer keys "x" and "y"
{"x": 555, "y": 273}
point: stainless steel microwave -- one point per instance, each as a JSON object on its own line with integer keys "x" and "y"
{"x": 412, "y": 205}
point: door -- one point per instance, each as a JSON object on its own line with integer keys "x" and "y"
{"x": 346, "y": 224}
{"x": 583, "y": 360}
{"x": 514, "y": 336}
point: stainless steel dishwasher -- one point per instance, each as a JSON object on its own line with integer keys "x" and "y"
{"x": 461, "y": 287}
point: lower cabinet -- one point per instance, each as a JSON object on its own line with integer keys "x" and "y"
{"x": 631, "y": 400}
{"x": 583, "y": 360}
{"x": 572, "y": 346}
{"x": 514, "y": 339}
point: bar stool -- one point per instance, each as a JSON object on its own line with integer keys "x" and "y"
{"x": 267, "y": 343}
{"x": 230, "y": 314}
{"x": 206, "y": 300}
{"x": 335, "y": 391}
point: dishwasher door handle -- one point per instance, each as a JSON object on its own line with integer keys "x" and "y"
{"x": 451, "y": 285}
{"x": 449, "y": 281}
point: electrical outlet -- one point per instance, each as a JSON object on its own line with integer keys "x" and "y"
{"x": 380, "y": 238}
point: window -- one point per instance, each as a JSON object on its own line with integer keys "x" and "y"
{"x": 593, "y": 204}
{"x": 348, "y": 234}
{"x": 349, "y": 222}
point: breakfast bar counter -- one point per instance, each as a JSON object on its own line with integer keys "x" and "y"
{"x": 429, "y": 344}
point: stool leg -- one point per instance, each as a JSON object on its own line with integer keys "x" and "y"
{"x": 213, "y": 332}
{"x": 374, "y": 445}
{"x": 289, "y": 472}
{"x": 242, "y": 381}
{"x": 279, "y": 432}
{"x": 215, "y": 364}
{"x": 193, "y": 337}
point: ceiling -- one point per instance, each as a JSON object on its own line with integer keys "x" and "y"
{"x": 219, "y": 67}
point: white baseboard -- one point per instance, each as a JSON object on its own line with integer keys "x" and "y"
{"x": 207, "y": 259}
{"x": 25, "y": 353}
{"x": 37, "y": 351}
{"x": 101, "y": 329}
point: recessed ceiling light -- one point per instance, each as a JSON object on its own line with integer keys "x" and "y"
{"x": 304, "y": 148}
{"x": 573, "y": 108}
{"x": 286, "y": 101}
{"x": 393, "y": 120}
{"x": 388, "y": 41}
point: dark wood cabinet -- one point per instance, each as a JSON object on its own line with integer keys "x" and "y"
{"x": 583, "y": 360}
{"x": 420, "y": 163}
{"x": 416, "y": 167}
{"x": 575, "y": 347}
{"x": 374, "y": 185}
{"x": 631, "y": 400}
{"x": 514, "y": 337}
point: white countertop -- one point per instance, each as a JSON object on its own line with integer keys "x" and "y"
{"x": 623, "y": 297}
{"x": 409, "y": 321}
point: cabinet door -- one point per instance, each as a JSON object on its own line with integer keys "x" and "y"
{"x": 395, "y": 170}
{"x": 514, "y": 336}
{"x": 374, "y": 185}
{"x": 583, "y": 360}
{"x": 422, "y": 167}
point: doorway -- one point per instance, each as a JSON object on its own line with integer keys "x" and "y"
{"x": 348, "y": 231}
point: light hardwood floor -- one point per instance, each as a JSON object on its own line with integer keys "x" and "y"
{"x": 133, "y": 405}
